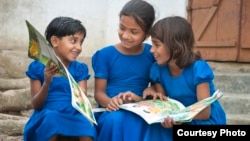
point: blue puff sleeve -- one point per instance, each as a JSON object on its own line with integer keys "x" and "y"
{"x": 36, "y": 71}
{"x": 202, "y": 72}
{"x": 155, "y": 73}
{"x": 98, "y": 64}
{"x": 82, "y": 72}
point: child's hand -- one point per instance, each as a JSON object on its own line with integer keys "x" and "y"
{"x": 151, "y": 92}
{"x": 169, "y": 122}
{"x": 114, "y": 103}
{"x": 128, "y": 97}
{"x": 50, "y": 71}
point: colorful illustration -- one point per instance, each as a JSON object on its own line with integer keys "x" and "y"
{"x": 34, "y": 50}
{"x": 153, "y": 111}
{"x": 40, "y": 50}
{"x": 80, "y": 100}
{"x": 159, "y": 107}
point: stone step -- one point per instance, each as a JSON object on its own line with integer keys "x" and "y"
{"x": 236, "y": 103}
{"x": 237, "y": 108}
{"x": 231, "y": 77}
{"x": 230, "y": 67}
{"x": 238, "y": 119}
{"x": 233, "y": 82}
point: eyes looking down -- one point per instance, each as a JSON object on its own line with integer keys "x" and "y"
{"x": 130, "y": 29}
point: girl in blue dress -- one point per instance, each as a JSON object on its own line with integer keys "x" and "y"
{"x": 183, "y": 75}
{"x": 122, "y": 73}
{"x": 53, "y": 114}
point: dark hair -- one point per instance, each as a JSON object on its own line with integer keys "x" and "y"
{"x": 64, "y": 26}
{"x": 177, "y": 36}
{"x": 141, "y": 11}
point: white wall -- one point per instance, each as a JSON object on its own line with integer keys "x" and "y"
{"x": 163, "y": 8}
{"x": 100, "y": 18}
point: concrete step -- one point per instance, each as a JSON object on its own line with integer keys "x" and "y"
{"x": 233, "y": 82}
{"x": 236, "y": 103}
{"x": 230, "y": 67}
{"x": 237, "y": 108}
{"x": 231, "y": 77}
{"x": 238, "y": 119}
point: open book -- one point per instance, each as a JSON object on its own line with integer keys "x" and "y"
{"x": 41, "y": 50}
{"x": 153, "y": 111}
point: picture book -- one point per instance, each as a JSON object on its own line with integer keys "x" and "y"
{"x": 153, "y": 111}
{"x": 39, "y": 49}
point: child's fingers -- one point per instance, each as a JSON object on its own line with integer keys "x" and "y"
{"x": 114, "y": 103}
{"x": 145, "y": 95}
{"x": 168, "y": 122}
{"x": 49, "y": 63}
{"x": 111, "y": 107}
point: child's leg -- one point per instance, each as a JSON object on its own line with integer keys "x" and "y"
{"x": 86, "y": 139}
{"x": 54, "y": 138}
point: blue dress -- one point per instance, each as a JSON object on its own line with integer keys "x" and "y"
{"x": 183, "y": 89}
{"x": 57, "y": 116}
{"x": 123, "y": 73}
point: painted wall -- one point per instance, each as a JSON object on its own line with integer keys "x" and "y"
{"x": 100, "y": 18}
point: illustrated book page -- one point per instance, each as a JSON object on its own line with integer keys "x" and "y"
{"x": 153, "y": 111}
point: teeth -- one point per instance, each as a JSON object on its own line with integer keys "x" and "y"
{"x": 74, "y": 53}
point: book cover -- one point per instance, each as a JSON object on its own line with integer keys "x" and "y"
{"x": 41, "y": 50}
{"x": 153, "y": 111}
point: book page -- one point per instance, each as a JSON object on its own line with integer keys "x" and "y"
{"x": 153, "y": 110}
{"x": 46, "y": 49}
{"x": 80, "y": 101}
{"x": 191, "y": 111}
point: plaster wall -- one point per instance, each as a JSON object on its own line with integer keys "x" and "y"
{"x": 100, "y": 18}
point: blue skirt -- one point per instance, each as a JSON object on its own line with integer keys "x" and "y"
{"x": 57, "y": 118}
{"x": 120, "y": 125}
{"x": 156, "y": 132}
